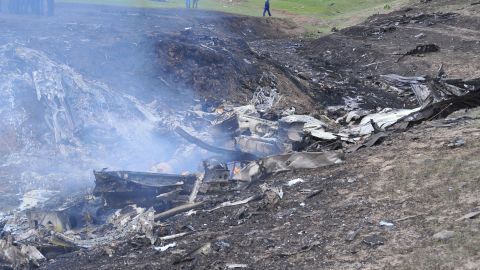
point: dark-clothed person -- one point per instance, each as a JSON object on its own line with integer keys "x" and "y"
{"x": 266, "y": 8}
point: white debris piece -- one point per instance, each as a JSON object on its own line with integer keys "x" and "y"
{"x": 32, "y": 253}
{"x": 164, "y": 248}
{"x": 236, "y": 265}
{"x": 190, "y": 213}
{"x": 294, "y": 182}
{"x": 279, "y": 192}
{"x": 355, "y": 115}
{"x": 227, "y": 204}
{"x": 386, "y": 223}
{"x": 264, "y": 98}
{"x": 383, "y": 119}
{"x": 246, "y": 110}
{"x": 323, "y": 135}
{"x": 311, "y": 123}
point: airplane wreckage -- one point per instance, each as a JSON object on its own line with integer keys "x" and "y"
{"x": 126, "y": 203}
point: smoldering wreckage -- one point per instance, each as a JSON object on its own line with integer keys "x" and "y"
{"x": 246, "y": 145}
{"x": 134, "y": 205}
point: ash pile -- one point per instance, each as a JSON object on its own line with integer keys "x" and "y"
{"x": 244, "y": 144}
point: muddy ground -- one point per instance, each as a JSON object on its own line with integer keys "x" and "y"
{"x": 331, "y": 220}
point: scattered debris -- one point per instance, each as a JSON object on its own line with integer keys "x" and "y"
{"x": 281, "y": 163}
{"x": 294, "y": 182}
{"x": 370, "y": 141}
{"x": 20, "y": 256}
{"x": 236, "y": 265}
{"x": 264, "y": 98}
{"x": 204, "y": 249}
{"x": 251, "y": 143}
{"x": 351, "y": 179}
{"x": 373, "y": 240}
{"x": 276, "y": 190}
{"x": 173, "y": 236}
{"x": 386, "y": 224}
{"x": 121, "y": 188}
{"x": 421, "y": 50}
{"x": 228, "y": 154}
{"x": 164, "y": 248}
{"x": 244, "y": 201}
{"x": 419, "y": 36}
{"x": 314, "y": 193}
{"x": 178, "y": 209}
{"x": 457, "y": 142}
{"x": 383, "y": 119}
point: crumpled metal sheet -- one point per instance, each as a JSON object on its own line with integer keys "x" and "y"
{"x": 436, "y": 97}
{"x": 429, "y": 90}
{"x": 310, "y": 123}
{"x": 258, "y": 146}
{"x": 383, "y": 119}
{"x": 324, "y": 135}
{"x": 446, "y": 107}
{"x": 281, "y": 163}
{"x": 226, "y": 153}
{"x": 19, "y": 256}
{"x": 370, "y": 141}
{"x": 125, "y": 224}
{"x": 293, "y": 128}
{"x": 120, "y": 188}
{"x": 258, "y": 126}
{"x": 156, "y": 180}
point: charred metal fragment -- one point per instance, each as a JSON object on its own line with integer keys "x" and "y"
{"x": 445, "y": 107}
{"x": 376, "y": 138}
{"x": 215, "y": 172}
{"x": 420, "y": 50}
{"x": 74, "y": 213}
{"x": 121, "y": 188}
{"x": 232, "y": 155}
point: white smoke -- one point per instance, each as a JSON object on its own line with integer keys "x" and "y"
{"x": 56, "y": 126}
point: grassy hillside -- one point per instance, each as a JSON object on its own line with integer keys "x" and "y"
{"x": 313, "y": 14}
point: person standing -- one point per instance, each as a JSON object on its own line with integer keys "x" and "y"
{"x": 187, "y": 3}
{"x": 195, "y": 3}
{"x": 266, "y": 8}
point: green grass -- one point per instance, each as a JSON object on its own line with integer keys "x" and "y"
{"x": 312, "y": 13}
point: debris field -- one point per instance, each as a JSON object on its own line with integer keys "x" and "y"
{"x": 355, "y": 150}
